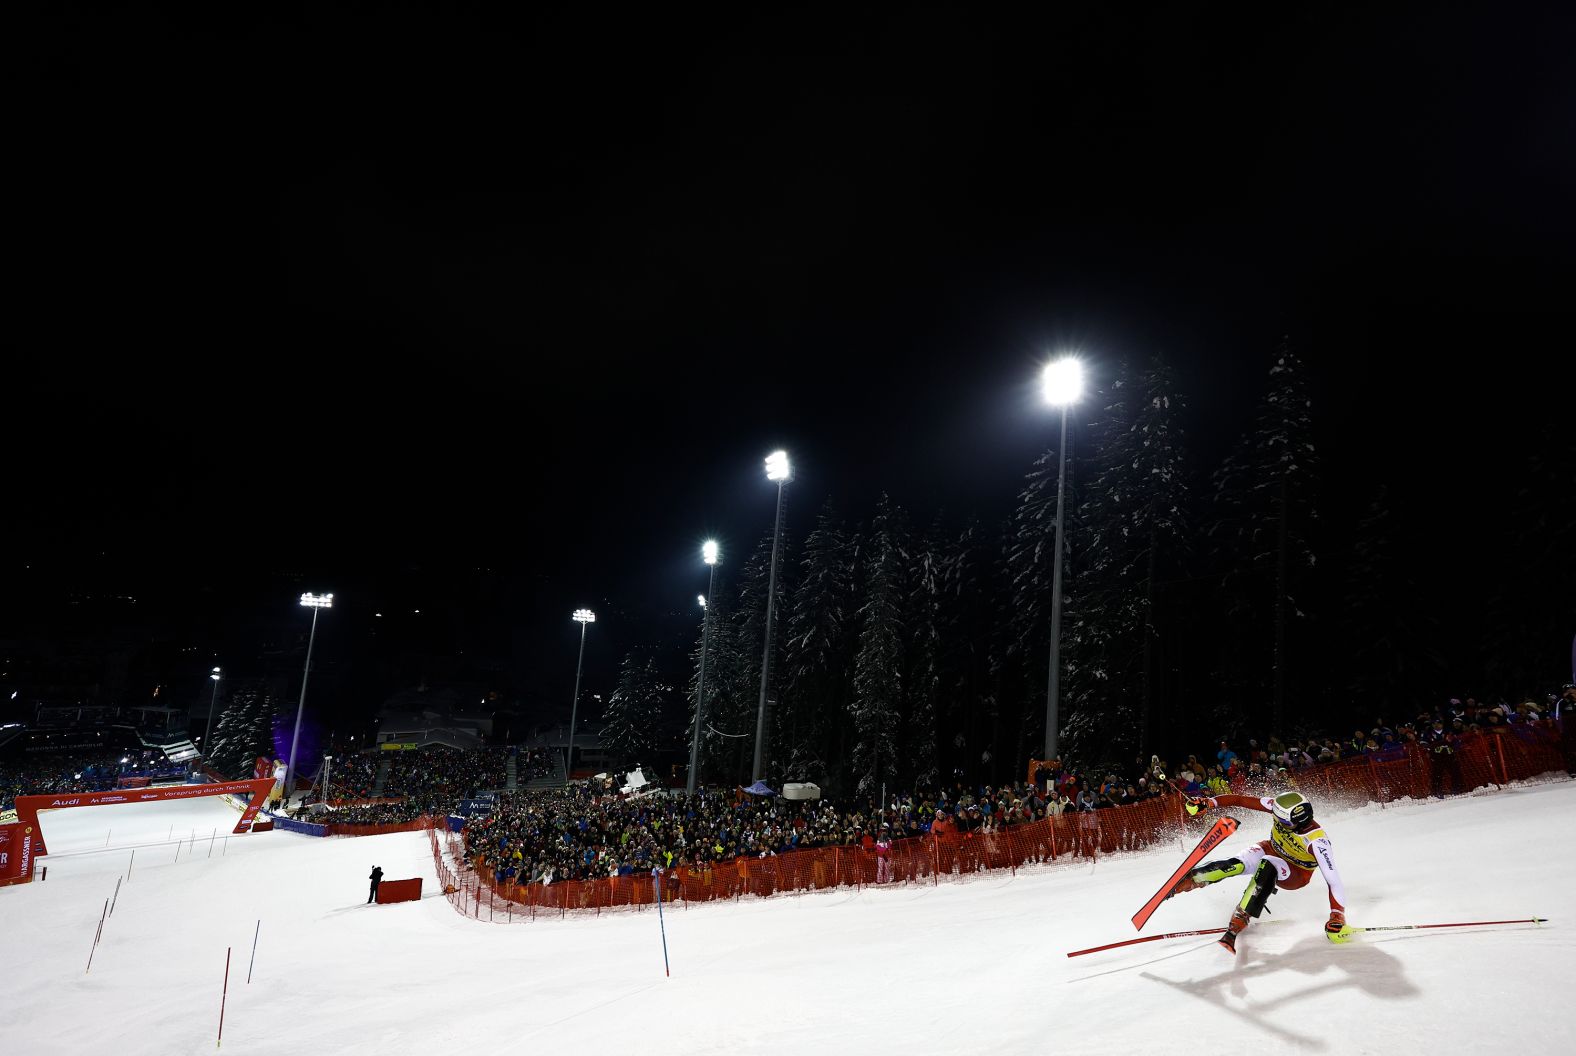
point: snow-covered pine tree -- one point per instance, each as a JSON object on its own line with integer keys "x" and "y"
{"x": 634, "y": 710}
{"x": 1101, "y": 644}
{"x": 922, "y": 682}
{"x": 244, "y": 731}
{"x": 1527, "y": 614}
{"x": 1265, "y": 514}
{"x": 749, "y": 630}
{"x": 1021, "y": 667}
{"x": 1135, "y": 527}
{"x": 754, "y": 582}
{"x": 1390, "y": 642}
{"x": 818, "y": 652}
{"x": 729, "y": 719}
{"x": 977, "y": 622}
{"x": 878, "y": 675}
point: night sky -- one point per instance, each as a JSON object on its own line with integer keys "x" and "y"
{"x": 364, "y": 300}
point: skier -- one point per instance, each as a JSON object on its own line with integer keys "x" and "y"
{"x": 376, "y": 878}
{"x": 1296, "y": 847}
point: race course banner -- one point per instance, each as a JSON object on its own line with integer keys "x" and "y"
{"x": 27, "y": 807}
{"x": 16, "y": 852}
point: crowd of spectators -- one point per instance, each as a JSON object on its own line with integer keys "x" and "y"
{"x": 91, "y": 771}
{"x": 531, "y": 763}
{"x": 435, "y": 773}
{"x": 352, "y": 775}
{"x": 589, "y": 831}
{"x": 441, "y": 772}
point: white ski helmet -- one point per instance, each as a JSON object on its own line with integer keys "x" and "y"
{"x": 1292, "y": 811}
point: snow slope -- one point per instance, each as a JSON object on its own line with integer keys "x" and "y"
{"x": 976, "y": 967}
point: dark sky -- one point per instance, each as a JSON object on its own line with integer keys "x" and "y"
{"x": 352, "y": 291}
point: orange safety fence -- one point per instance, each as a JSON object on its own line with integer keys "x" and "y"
{"x": 424, "y": 822}
{"x": 1476, "y": 761}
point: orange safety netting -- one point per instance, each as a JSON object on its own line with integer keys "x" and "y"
{"x": 424, "y": 822}
{"x": 1478, "y": 760}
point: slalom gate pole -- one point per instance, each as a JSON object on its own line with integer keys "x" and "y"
{"x": 656, "y": 882}
{"x": 131, "y": 863}
{"x": 107, "y": 833}
{"x": 254, "y": 952}
{"x": 178, "y": 849}
{"x": 1466, "y": 924}
{"x": 223, "y": 997}
{"x": 1148, "y": 938}
{"x": 96, "y": 935}
{"x": 116, "y": 898}
{"x": 210, "y": 842}
{"x": 1216, "y": 930}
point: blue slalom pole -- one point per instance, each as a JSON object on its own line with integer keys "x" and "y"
{"x": 656, "y": 882}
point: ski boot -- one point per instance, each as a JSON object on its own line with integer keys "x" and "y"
{"x": 1239, "y": 921}
{"x": 1258, "y": 892}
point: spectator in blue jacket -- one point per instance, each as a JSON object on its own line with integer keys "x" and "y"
{"x": 1226, "y": 756}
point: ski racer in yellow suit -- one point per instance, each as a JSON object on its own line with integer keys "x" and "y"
{"x": 1296, "y": 847}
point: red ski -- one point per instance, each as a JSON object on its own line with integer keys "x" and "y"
{"x": 1224, "y": 826}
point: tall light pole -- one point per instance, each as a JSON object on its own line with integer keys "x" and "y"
{"x": 207, "y": 738}
{"x": 1062, "y": 383}
{"x": 582, "y": 617}
{"x": 316, "y": 603}
{"x": 776, "y": 469}
{"x": 708, "y": 554}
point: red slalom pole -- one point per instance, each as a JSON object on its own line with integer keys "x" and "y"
{"x": 96, "y": 934}
{"x": 225, "y": 994}
{"x": 1216, "y": 930}
{"x": 1466, "y": 924}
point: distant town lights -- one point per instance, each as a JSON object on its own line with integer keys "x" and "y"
{"x": 314, "y": 601}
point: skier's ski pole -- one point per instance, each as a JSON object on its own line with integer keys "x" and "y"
{"x": 1466, "y": 924}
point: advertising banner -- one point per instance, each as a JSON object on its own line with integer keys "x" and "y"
{"x": 399, "y": 891}
{"x": 16, "y": 852}
{"x": 27, "y": 807}
{"x": 134, "y": 782}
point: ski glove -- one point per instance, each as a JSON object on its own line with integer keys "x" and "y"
{"x": 1197, "y": 803}
{"x": 1335, "y": 928}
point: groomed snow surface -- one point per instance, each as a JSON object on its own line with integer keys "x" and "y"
{"x": 976, "y": 967}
